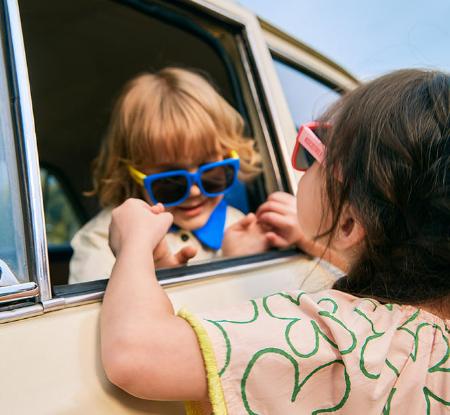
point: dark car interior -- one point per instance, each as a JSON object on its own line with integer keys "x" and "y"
{"x": 79, "y": 54}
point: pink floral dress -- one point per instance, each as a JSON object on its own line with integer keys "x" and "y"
{"x": 328, "y": 352}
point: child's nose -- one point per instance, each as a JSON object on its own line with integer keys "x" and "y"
{"x": 195, "y": 191}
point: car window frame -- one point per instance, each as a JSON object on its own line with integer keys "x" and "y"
{"x": 93, "y": 290}
{"x": 260, "y": 73}
{"x": 24, "y": 299}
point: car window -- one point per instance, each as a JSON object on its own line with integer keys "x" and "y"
{"x": 13, "y": 265}
{"x": 79, "y": 55}
{"x": 306, "y": 96}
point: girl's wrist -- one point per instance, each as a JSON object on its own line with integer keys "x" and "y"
{"x": 136, "y": 251}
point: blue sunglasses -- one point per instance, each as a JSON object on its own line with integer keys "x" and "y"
{"x": 173, "y": 187}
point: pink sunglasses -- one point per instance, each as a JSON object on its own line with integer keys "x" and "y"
{"x": 313, "y": 148}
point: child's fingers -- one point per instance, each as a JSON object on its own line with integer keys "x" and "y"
{"x": 159, "y": 208}
{"x": 275, "y": 206}
{"x": 268, "y": 207}
{"x": 245, "y": 222}
{"x": 185, "y": 254}
{"x": 167, "y": 219}
{"x": 276, "y": 240}
{"x": 274, "y": 220}
{"x": 248, "y": 220}
{"x": 282, "y": 197}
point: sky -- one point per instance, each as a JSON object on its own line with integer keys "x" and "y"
{"x": 368, "y": 38}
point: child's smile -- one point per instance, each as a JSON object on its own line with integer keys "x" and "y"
{"x": 195, "y": 211}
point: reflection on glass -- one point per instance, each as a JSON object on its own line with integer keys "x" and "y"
{"x": 14, "y": 268}
{"x": 12, "y": 249}
{"x": 307, "y": 98}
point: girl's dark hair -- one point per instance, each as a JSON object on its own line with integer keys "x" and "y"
{"x": 388, "y": 156}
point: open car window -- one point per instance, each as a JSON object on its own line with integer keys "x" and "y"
{"x": 79, "y": 56}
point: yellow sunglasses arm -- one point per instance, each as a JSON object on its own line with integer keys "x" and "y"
{"x": 137, "y": 175}
{"x": 234, "y": 154}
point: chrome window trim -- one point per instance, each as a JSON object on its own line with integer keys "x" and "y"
{"x": 24, "y": 291}
{"x": 259, "y": 109}
{"x": 31, "y": 159}
{"x": 87, "y": 298}
{"x": 21, "y": 313}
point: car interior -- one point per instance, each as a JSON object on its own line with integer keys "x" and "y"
{"x": 79, "y": 55}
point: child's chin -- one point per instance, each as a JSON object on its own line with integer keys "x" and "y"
{"x": 191, "y": 223}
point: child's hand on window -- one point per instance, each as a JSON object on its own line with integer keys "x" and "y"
{"x": 279, "y": 216}
{"x": 245, "y": 237}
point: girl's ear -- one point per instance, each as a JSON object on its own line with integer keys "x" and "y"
{"x": 350, "y": 234}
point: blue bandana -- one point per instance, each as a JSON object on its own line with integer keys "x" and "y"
{"x": 211, "y": 234}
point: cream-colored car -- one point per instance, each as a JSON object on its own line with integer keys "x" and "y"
{"x": 63, "y": 61}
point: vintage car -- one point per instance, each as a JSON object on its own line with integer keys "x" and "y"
{"x": 63, "y": 63}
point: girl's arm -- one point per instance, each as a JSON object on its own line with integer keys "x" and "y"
{"x": 146, "y": 349}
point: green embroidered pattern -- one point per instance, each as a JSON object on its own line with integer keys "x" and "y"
{"x": 387, "y": 407}
{"x": 320, "y": 331}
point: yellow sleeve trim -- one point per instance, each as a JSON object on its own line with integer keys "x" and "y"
{"x": 215, "y": 391}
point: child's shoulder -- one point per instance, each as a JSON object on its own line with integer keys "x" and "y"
{"x": 99, "y": 224}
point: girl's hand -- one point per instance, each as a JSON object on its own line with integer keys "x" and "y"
{"x": 245, "y": 237}
{"x": 137, "y": 224}
{"x": 279, "y": 216}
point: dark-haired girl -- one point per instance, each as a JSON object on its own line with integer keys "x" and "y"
{"x": 377, "y": 196}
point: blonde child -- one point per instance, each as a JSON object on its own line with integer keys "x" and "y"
{"x": 377, "y": 192}
{"x": 172, "y": 139}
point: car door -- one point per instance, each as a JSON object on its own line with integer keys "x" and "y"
{"x": 50, "y": 336}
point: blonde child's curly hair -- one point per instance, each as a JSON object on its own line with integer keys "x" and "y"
{"x": 169, "y": 117}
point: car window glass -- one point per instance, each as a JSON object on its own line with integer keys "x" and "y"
{"x": 13, "y": 265}
{"x": 307, "y": 98}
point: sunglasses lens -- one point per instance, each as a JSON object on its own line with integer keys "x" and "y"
{"x": 218, "y": 179}
{"x": 303, "y": 159}
{"x": 309, "y": 158}
{"x": 169, "y": 189}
